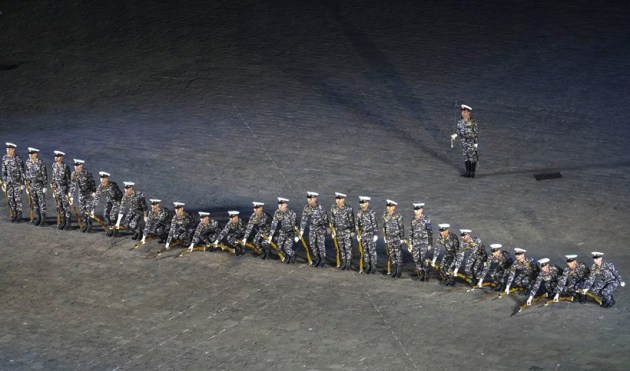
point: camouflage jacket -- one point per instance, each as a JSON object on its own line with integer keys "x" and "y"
{"x": 285, "y": 220}
{"x": 36, "y": 173}
{"x": 367, "y": 222}
{"x": 317, "y": 217}
{"x": 61, "y": 177}
{"x": 13, "y": 170}
{"x": 421, "y": 231}
{"x": 342, "y": 218}
{"x": 263, "y": 223}
{"x": 111, "y": 191}
{"x": 236, "y": 230}
{"x": 549, "y": 278}
{"x": 84, "y": 181}
{"x": 580, "y": 273}
{"x": 607, "y": 273}
{"x": 209, "y": 231}
{"x": 525, "y": 268}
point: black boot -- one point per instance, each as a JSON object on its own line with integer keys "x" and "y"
{"x": 343, "y": 266}
{"x": 38, "y": 218}
{"x": 323, "y": 262}
{"x": 473, "y": 168}
{"x": 18, "y": 218}
{"x": 62, "y": 222}
{"x": 349, "y": 264}
{"x": 395, "y": 271}
{"x": 369, "y": 269}
{"x": 67, "y": 224}
{"x": 88, "y": 220}
{"x": 427, "y": 275}
{"x": 110, "y": 231}
{"x": 467, "y": 174}
{"x": 316, "y": 263}
{"x": 400, "y": 270}
{"x": 42, "y": 221}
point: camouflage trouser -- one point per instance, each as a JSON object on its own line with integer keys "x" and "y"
{"x": 546, "y": 287}
{"x": 448, "y": 263}
{"x": 395, "y": 253}
{"x": 154, "y": 227}
{"x": 369, "y": 250}
{"x": 474, "y": 265}
{"x": 421, "y": 255}
{"x": 572, "y": 286}
{"x": 317, "y": 240}
{"x": 14, "y": 195}
{"x": 604, "y": 289}
{"x": 285, "y": 243}
{"x": 344, "y": 240}
{"x": 39, "y": 199}
{"x": 182, "y": 236}
{"x": 261, "y": 243}
{"x": 62, "y": 202}
{"x": 110, "y": 213}
{"x": 522, "y": 281}
{"x": 497, "y": 276}
{"x": 133, "y": 221}
{"x": 85, "y": 205}
{"x": 469, "y": 151}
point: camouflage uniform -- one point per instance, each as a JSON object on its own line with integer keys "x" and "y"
{"x": 603, "y": 281}
{"x": 113, "y": 198}
{"x": 342, "y": 219}
{"x": 61, "y": 183}
{"x": 159, "y": 223}
{"x": 476, "y": 258}
{"x": 136, "y": 207}
{"x": 206, "y": 233}
{"x": 262, "y": 225}
{"x": 450, "y": 244}
{"x": 496, "y": 268}
{"x": 37, "y": 178}
{"x": 182, "y": 228}
{"x": 233, "y": 233}
{"x": 368, "y": 225}
{"x": 547, "y": 281}
{"x": 394, "y": 233}
{"x": 522, "y": 274}
{"x": 84, "y": 183}
{"x": 317, "y": 230}
{"x": 13, "y": 178}
{"x": 285, "y": 221}
{"x": 421, "y": 240}
{"x": 573, "y": 280}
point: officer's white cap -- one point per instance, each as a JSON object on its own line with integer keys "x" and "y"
{"x": 496, "y": 246}
{"x": 154, "y": 201}
{"x": 418, "y": 205}
{"x": 32, "y": 150}
{"x": 543, "y": 261}
{"x": 11, "y": 145}
{"x": 518, "y": 250}
{"x": 178, "y": 204}
{"x": 391, "y": 203}
{"x": 466, "y": 107}
{"x": 129, "y": 184}
{"x": 203, "y": 214}
{"x": 465, "y": 231}
{"x": 597, "y": 254}
{"x": 233, "y": 213}
{"x": 571, "y": 257}
{"x": 444, "y": 226}
{"x": 364, "y": 198}
{"x": 104, "y": 174}
{"x": 59, "y": 153}
{"x": 282, "y": 200}
{"x": 312, "y": 194}
{"x": 339, "y": 195}
{"x": 78, "y": 162}
{"x": 258, "y": 204}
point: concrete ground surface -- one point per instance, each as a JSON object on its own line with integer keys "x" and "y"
{"x": 218, "y": 104}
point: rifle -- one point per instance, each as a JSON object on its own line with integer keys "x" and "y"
{"x": 360, "y": 250}
{"x": 76, "y": 212}
{"x": 4, "y": 190}
{"x": 30, "y": 199}
{"x": 332, "y": 229}
{"x": 389, "y": 260}
{"x": 308, "y": 254}
{"x": 54, "y": 194}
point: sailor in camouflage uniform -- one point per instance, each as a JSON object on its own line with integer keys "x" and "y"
{"x": 261, "y": 222}
{"x": 342, "y": 220}
{"x": 468, "y": 139}
{"x": 572, "y": 281}
{"x": 603, "y": 280}
{"x": 83, "y": 182}
{"x": 421, "y": 240}
{"x": 13, "y": 179}
{"x": 315, "y": 214}
{"x": 522, "y": 272}
{"x": 135, "y": 205}
{"x": 37, "y": 177}
{"x": 233, "y": 233}
{"x": 450, "y": 243}
{"x": 496, "y": 267}
{"x": 367, "y": 226}
{"x": 206, "y": 231}
{"x": 394, "y": 234}
{"x": 476, "y": 255}
{"x": 182, "y": 226}
{"x": 284, "y": 220}
{"x": 113, "y": 197}
{"x": 546, "y": 281}
{"x": 61, "y": 178}
{"x": 159, "y": 221}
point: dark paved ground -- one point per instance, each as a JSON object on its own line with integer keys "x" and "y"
{"x": 222, "y": 104}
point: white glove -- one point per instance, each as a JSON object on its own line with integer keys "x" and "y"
{"x": 507, "y": 289}
{"x": 358, "y": 237}
{"x": 244, "y": 241}
{"x": 44, "y": 190}
{"x": 455, "y": 272}
{"x": 190, "y": 248}
{"x": 434, "y": 260}
{"x": 584, "y": 291}
{"x": 70, "y": 199}
{"x": 22, "y": 188}
{"x": 529, "y": 300}
{"x": 144, "y": 239}
{"x": 296, "y": 238}
{"x": 410, "y": 247}
{"x": 216, "y": 243}
{"x": 556, "y": 298}
{"x": 167, "y": 245}
{"x": 480, "y": 283}
{"x": 146, "y": 219}
{"x": 476, "y": 145}
{"x": 375, "y": 238}
{"x": 4, "y": 187}
{"x": 92, "y": 214}
{"x": 301, "y": 232}
{"x": 269, "y": 238}
{"x": 333, "y": 234}
{"x": 453, "y": 136}
{"x": 623, "y": 284}
{"x": 93, "y": 194}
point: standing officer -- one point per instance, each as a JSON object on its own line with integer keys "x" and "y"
{"x": 603, "y": 280}
{"x": 468, "y": 139}
{"x": 573, "y": 278}
{"x": 61, "y": 179}
{"x": 136, "y": 207}
{"x": 159, "y": 221}
{"x": 13, "y": 181}
{"x": 83, "y": 181}
{"x": 182, "y": 226}
{"x": 113, "y": 198}
{"x": 37, "y": 177}
{"x": 522, "y": 272}
{"x": 284, "y": 220}
{"x": 315, "y": 214}
{"x": 367, "y": 225}
{"x": 260, "y": 220}
{"x": 421, "y": 240}
{"x": 394, "y": 234}
{"x": 496, "y": 267}
{"x": 342, "y": 220}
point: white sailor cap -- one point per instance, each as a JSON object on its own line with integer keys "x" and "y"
{"x": 203, "y": 214}
{"x": 104, "y": 174}
{"x": 418, "y": 205}
{"x": 391, "y": 203}
{"x": 258, "y": 204}
{"x": 518, "y": 250}
{"x": 233, "y": 213}
{"x": 78, "y": 162}
{"x": 339, "y": 195}
{"x": 154, "y": 201}
{"x": 11, "y": 145}
{"x": 570, "y": 258}
{"x": 311, "y": 194}
{"x": 496, "y": 246}
{"x": 282, "y": 200}
{"x": 543, "y": 261}
{"x": 364, "y": 199}
{"x": 59, "y": 153}
{"x": 32, "y": 150}
{"x": 464, "y": 231}
{"x": 597, "y": 254}
{"x": 466, "y": 107}
{"x": 178, "y": 204}
{"x": 129, "y": 184}
{"x": 444, "y": 226}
